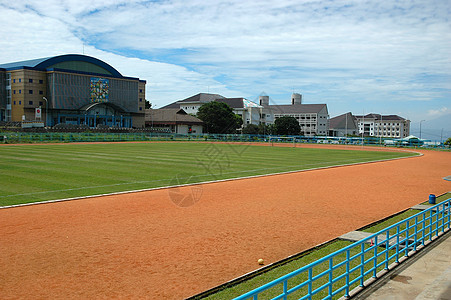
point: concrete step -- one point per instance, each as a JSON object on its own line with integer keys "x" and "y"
{"x": 354, "y": 236}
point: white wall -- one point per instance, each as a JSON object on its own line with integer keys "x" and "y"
{"x": 191, "y": 108}
{"x": 195, "y": 129}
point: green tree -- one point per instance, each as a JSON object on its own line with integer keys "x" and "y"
{"x": 239, "y": 120}
{"x": 251, "y": 129}
{"x": 287, "y": 126}
{"x": 266, "y": 129}
{"x": 218, "y": 117}
{"x": 270, "y": 129}
{"x": 148, "y": 104}
{"x": 448, "y": 142}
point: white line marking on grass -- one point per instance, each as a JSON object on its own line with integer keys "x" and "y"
{"x": 207, "y": 182}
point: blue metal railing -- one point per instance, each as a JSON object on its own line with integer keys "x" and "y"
{"x": 338, "y": 273}
{"x": 88, "y": 136}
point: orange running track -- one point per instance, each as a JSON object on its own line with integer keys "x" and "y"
{"x": 142, "y": 245}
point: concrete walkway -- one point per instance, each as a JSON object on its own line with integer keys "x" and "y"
{"x": 426, "y": 275}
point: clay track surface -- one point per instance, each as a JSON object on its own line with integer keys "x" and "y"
{"x": 142, "y": 245}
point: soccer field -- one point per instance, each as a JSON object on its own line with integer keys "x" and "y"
{"x": 31, "y": 173}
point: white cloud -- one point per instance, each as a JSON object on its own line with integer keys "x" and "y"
{"x": 435, "y": 113}
{"x": 49, "y": 36}
{"x": 349, "y": 52}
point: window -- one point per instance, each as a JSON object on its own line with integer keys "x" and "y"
{"x": 30, "y": 92}
{"x": 30, "y": 102}
{"x": 140, "y": 99}
{"x": 30, "y": 80}
{"x": 40, "y": 103}
{"x": 14, "y": 102}
{"x": 41, "y": 81}
{"x": 14, "y": 80}
{"x": 140, "y": 90}
{"x": 20, "y": 91}
{"x": 41, "y": 93}
{"x": 14, "y": 92}
{"x": 20, "y": 79}
{"x": 20, "y": 102}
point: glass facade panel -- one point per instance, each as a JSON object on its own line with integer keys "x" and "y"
{"x": 73, "y": 91}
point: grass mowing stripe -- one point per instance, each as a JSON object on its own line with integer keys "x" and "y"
{"x": 47, "y": 172}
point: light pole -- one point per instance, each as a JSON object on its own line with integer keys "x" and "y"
{"x": 380, "y": 134}
{"x": 420, "y": 127}
{"x": 46, "y": 109}
{"x": 346, "y": 129}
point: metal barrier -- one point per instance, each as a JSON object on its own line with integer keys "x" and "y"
{"x": 336, "y": 274}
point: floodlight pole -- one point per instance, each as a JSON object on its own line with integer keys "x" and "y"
{"x": 420, "y": 127}
{"x": 380, "y": 135}
{"x": 346, "y": 129}
{"x": 46, "y": 109}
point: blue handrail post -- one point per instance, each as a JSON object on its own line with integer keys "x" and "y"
{"x": 285, "y": 289}
{"x": 397, "y": 244}
{"x": 423, "y": 227}
{"x": 331, "y": 265}
{"x": 310, "y": 275}
{"x": 387, "y": 247}
{"x": 436, "y": 221}
{"x": 406, "y": 243}
{"x": 415, "y": 239}
{"x": 430, "y": 225}
{"x": 448, "y": 213}
{"x": 362, "y": 262}
{"x": 347, "y": 274}
{"x": 375, "y": 257}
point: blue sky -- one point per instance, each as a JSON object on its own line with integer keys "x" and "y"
{"x": 389, "y": 57}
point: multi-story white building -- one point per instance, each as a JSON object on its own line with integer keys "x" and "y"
{"x": 383, "y": 125}
{"x": 250, "y": 112}
{"x": 313, "y": 118}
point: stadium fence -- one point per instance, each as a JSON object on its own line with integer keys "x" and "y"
{"x": 68, "y": 137}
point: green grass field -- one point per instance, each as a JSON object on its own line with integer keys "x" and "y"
{"x": 31, "y": 173}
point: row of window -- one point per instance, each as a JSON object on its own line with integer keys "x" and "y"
{"x": 29, "y": 80}
{"x": 29, "y": 103}
{"x": 29, "y": 92}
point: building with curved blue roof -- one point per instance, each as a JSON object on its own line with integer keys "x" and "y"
{"x": 71, "y": 89}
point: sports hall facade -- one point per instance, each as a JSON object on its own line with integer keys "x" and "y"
{"x": 71, "y": 89}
